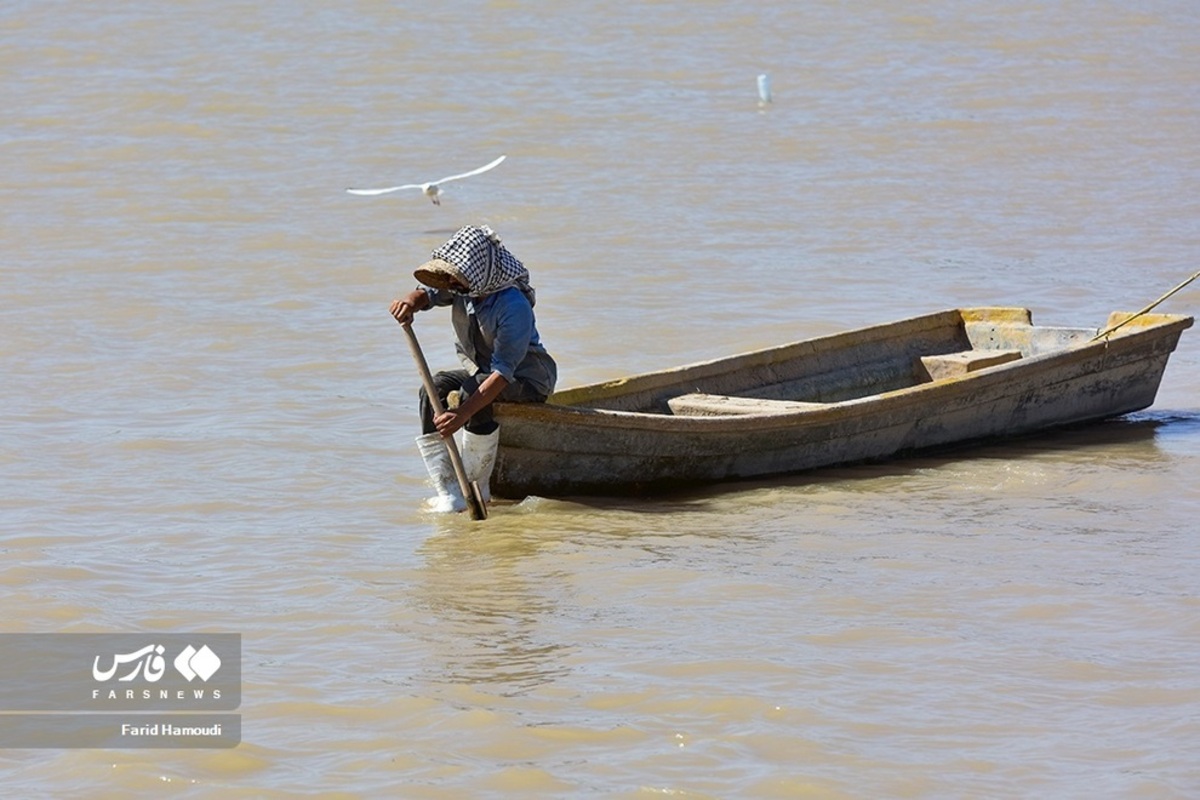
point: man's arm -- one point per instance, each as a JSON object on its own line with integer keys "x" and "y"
{"x": 404, "y": 308}
{"x": 449, "y": 422}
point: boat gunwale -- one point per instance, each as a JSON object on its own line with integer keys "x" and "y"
{"x": 1134, "y": 337}
{"x": 708, "y": 368}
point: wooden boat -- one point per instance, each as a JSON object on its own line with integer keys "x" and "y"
{"x": 867, "y": 394}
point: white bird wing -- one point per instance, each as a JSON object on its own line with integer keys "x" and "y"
{"x": 484, "y": 168}
{"x": 389, "y": 189}
{"x": 424, "y": 186}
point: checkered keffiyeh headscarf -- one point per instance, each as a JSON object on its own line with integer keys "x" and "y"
{"x": 486, "y": 265}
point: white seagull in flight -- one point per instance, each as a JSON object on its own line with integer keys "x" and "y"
{"x": 431, "y": 189}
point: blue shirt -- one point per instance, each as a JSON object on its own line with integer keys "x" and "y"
{"x": 498, "y": 333}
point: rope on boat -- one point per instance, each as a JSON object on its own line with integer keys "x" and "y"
{"x": 1147, "y": 309}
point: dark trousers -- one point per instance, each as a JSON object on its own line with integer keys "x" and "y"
{"x": 483, "y": 422}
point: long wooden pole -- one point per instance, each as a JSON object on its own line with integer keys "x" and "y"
{"x": 470, "y": 490}
{"x": 1148, "y": 308}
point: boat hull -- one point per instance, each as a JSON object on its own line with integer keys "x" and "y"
{"x": 653, "y": 432}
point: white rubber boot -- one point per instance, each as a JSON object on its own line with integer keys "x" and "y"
{"x": 441, "y": 472}
{"x": 479, "y": 458}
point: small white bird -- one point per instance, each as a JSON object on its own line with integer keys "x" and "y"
{"x": 764, "y": 89}
{"x": 431, "y": 189}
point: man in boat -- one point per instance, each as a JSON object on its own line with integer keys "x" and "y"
{"x": 497, "y": 341}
